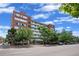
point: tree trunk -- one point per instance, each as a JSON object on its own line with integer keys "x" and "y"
{"x": 28, "y": 43}
{"x": 44, "y": 43}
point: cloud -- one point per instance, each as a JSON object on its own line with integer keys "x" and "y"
{"x": 56, "y": 21}
{"x": 66, "y": 19}
{"x": 48, "y": 22}
{"x": 61, "y": 19}
{"x": 4, "y": 8}
{"x": 7, "y": 10}
{"x": 49, "y": 7}
{"x": 4, "y": 5}
{"x": 59, "y": 29}
{"x": 75, "y": 20}
{"x": 3, "y": 33}
{"x": 44, "y": 16}
{"x": 68, "y": 27}
{"x": 75, "y": 33}
{"x": 3, "y": 30}
{"x": 4, "y": 27}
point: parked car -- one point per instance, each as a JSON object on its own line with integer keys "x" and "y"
{"x": 60, "y": 43}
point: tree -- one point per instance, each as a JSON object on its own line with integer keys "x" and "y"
{"x": 10, "y": 36}
{"x": 47, "y": 35}
{"x": 75, "y": 39}
{"x": 23, "y": 35}
{"x": 53, "y": 37}
{"x": 70, "y": 8}
{"x": 65, "y": 36}
{"x": 1, "y": 39}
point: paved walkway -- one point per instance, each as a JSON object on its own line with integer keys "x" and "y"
{"x": 64, "y": 50}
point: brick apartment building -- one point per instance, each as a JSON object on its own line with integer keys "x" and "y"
{"x": 21, "y": 19}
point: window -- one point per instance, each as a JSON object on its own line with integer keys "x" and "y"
{"x": 25, "y": 17}
{"x": 25, "y": 25}
{"x": 17, "y": 15}
{"x": 16, "y": 27}
{"x": 17, "y": 23}
{"x": 22, "y": 24}
{"x": 33, "y": 26}
{"x": 19, "y": 19}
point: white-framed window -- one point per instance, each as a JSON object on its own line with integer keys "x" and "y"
{"x": 25, "y": 17}
{"x": 16, "y": 27}
{"x": 20, "y": 24}
{"x": 18, "y": 15}
{"x": 19, "y": 19}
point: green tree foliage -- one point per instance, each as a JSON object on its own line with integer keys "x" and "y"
{"x": 10, "y": 36}
{"x": 75, "y": 39}
{"x": 71, "y": 8}
{"x": 23, "y": 35}
{"x": 65, "y": 36}
{"x": 47, "y": 35}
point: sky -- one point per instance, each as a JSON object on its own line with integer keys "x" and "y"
{"x": 47, "y": 13}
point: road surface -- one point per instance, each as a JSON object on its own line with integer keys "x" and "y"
{"x": 64, "y": 50}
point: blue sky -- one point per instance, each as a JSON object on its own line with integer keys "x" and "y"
{"x": 47, "y": 13}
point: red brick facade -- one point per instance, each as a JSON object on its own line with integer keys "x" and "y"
{"x": 24, "y": 20}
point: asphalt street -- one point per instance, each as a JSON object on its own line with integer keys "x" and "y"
{"x": 63, "y": 50}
